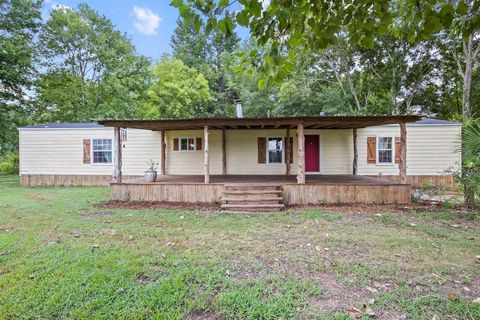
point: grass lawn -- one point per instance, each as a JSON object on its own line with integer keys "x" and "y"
{"x": 61, "y": 256}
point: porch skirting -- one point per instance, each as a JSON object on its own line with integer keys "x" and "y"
{"x": 293, "y": 194}
{"x": 38, "y": 180}
{"x": 422, "y": 181}
{"x": 34, "y": 180}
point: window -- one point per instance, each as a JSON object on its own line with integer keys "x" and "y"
{"x": 187, "y": 144}
{"x": 102, "y": 150}
{"x": 385, "y": 150}
{"x": 275, "y": 150}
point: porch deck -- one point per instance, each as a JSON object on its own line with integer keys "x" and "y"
{"x": 266, "y": 179}
{"x": 318, "y": 189}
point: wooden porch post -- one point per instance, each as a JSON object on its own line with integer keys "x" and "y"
{"x": 288, "y": 148}
{"x": 162, "y": 152}
{"x": 117, "y": 156}
{"x": 355, "y": 151}
{"x": 402, "y": 166}
{"x": 205, "y": 155}
{"x": 301, "y": 154}
{"x": 224, "y": 153}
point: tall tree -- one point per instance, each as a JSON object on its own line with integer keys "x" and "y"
{"x": 19, "y": 23}
{"x": 211, "y": 54}
{"x": 313, "y": 24}
{"x": 177, "y": 91}
{"x": 92, "y": 69}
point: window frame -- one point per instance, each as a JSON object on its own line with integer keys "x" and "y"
{"x": 180, "y": 144}
{"x": 267, "y": 151}
{"x": 392, "y": 163}
{"x": 92, "y": 162}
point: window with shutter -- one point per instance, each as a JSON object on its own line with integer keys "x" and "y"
{"x": 262, "y": 149}
{"x": 86, "y": 151}
{"x": 397, "y": 149}
{"x": 371, "y": 150}
{"x": 199, "y": 143}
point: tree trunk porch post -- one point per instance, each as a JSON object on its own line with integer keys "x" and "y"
{"x": 402, "y": 165}
{"x": 224, "y": 153}
{"x": 117, "y": 156}
{"x": 355, "y": 152}
{"x": 205, "y": 155}
{"x": 288, "y": 148}
{"x": 162, "y": 152}
{"x": 301, "y": 154}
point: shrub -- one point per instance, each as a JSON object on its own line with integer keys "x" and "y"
{"x": 9, "y": 163}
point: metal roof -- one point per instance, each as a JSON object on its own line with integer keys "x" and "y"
{"x": 318, "y": 122}
{"x": 67, "y": 125}
{"x": 135, "y": 123}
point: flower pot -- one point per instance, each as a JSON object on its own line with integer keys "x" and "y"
{"x": 150, "y": 176}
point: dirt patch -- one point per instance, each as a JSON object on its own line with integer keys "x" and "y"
{"x": 142, "y": 205}
{"x": 37, "y": 196}
{"x": 383, "y": 208}
{"x": 97, "y": 214}
{"x": 143, "y": 279}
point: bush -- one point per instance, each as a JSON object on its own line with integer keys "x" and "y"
{"x": 9, "y": 163}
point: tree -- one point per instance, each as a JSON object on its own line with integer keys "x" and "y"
{"x": 92, "y": 70}
{"x": 19, "y": 23}
{"x": 311, "y": 25}
{"x": 211, "y": 54}
{"x": 177, "y": 91}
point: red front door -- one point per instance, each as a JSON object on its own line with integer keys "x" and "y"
{"x": 312, "y": 154}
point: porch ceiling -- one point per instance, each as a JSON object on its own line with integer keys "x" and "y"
{"x": 321, "y": 122}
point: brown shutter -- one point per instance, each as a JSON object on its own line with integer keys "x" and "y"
{"x": 175, "y": 144}
{"x": 371, "y": 150}
{"x": 262, "y": 150}
{"x": 199, "y": 143}
{"x": 397, "y": 149}
{"x": 291, "y": 150}
{"x": 86, "y": 151}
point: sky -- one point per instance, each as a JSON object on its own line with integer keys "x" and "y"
{"x": 148, "y": 23}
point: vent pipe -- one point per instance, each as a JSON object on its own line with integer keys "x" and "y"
{"x": 238, "y": 104}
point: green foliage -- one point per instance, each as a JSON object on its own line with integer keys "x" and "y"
{"x": 93, "y": 70}
{"x": 177, "y": 91}
{"x": 316, "y": 25}
{"x": 19, "y": 23}
{"x": 9, "y": 163}
{"x": 211, "y": 53}
{"x": 469, "y": 175}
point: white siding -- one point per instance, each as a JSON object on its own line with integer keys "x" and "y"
{"x": 59, "y": 151}
{"x": 431, "y": 149}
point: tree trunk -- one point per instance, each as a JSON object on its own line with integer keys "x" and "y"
{"x": 469, "y": 194}
{"x": 467, "y": 79}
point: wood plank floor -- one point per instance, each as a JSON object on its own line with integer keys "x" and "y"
{"x": 267, "y": 179}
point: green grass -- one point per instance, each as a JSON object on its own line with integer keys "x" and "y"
{"x": 61, "y": 256}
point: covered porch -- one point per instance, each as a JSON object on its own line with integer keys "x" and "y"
{"x": 317, "y": 189}
{"x": 294, "y": 185}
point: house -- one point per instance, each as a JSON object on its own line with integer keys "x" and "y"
{"x": 303, "y": 160}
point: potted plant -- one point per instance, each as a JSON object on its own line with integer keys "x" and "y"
{"x": 151, "y": 173}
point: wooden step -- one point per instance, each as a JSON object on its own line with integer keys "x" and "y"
{"x": 252, "y": 192}
{"x": 253, "y": 207}
{"x": 255, "y": 199}
{"x": 252, "y": 187}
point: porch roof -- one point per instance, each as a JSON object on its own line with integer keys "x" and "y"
{"x": 318, "y": 122}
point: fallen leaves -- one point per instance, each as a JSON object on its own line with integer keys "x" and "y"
{"x": 354, "y": 313}
{"x": 372, "y": 290}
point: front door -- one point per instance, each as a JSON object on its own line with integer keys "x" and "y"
{"x": 312, "y": 153}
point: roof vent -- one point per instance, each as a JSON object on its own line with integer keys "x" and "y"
{"x": 238, "y": 104}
